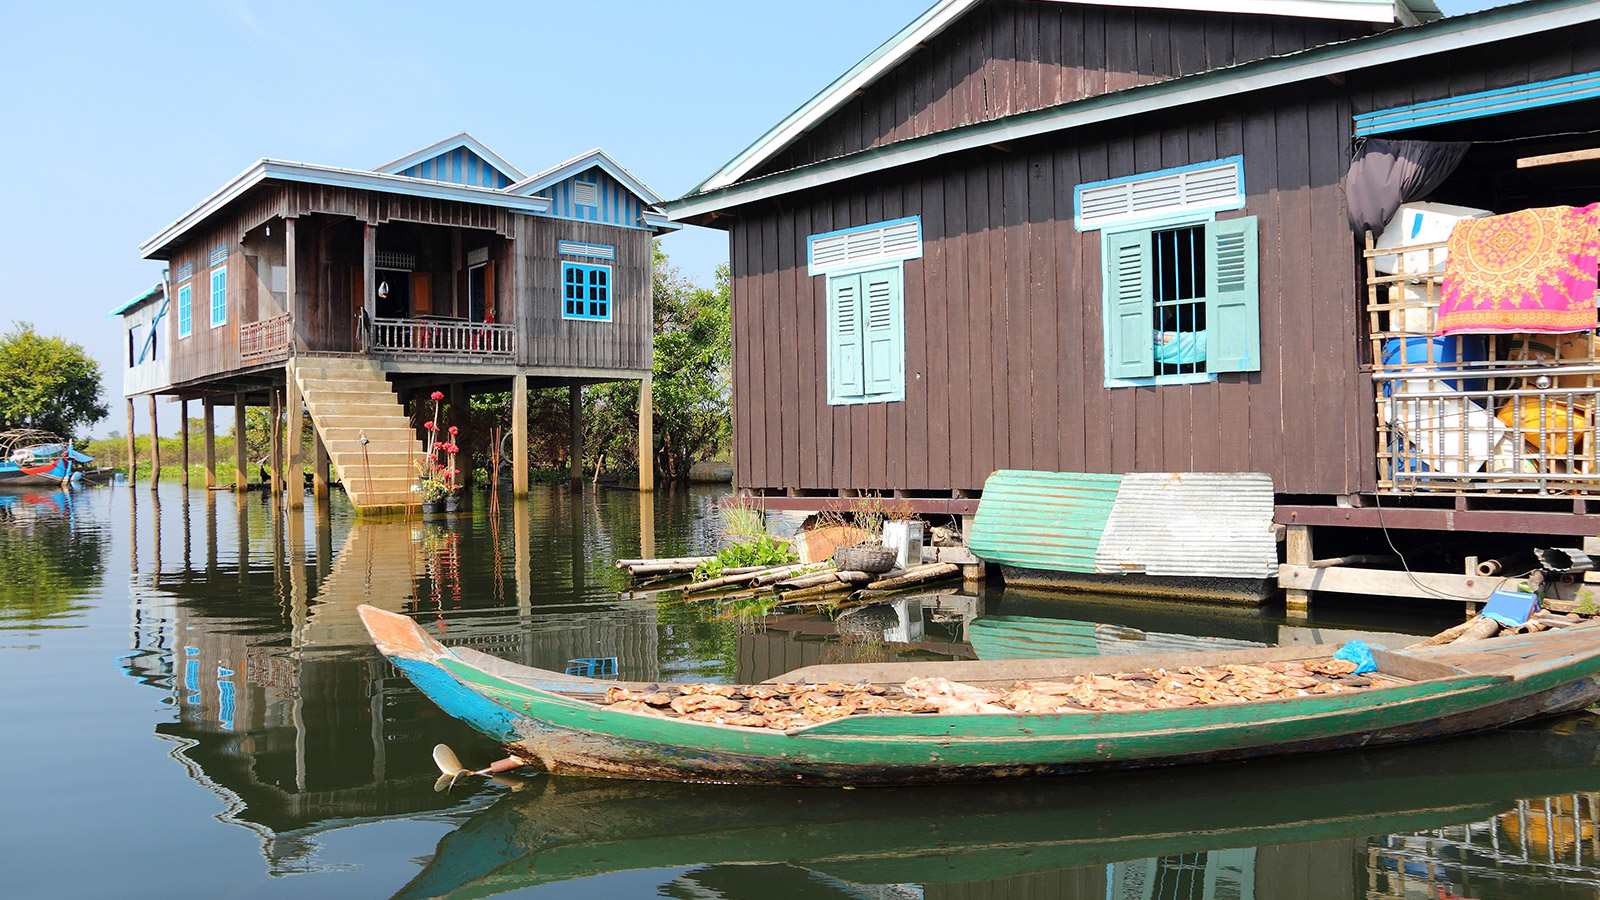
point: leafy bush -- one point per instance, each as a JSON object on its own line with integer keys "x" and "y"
{"x": 763, "y": 551}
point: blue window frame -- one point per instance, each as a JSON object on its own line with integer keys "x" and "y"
{"x": 184, "y": 303}
{"x": 586, "y": 292}
{"x": 219, "y": 296}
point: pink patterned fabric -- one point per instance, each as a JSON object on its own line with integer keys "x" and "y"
{"x": 1531, "y": 270}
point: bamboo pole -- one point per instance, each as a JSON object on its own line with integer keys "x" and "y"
{"x": 630, "y": 563}
{"x": 916, "y": 575}
{"x": 805, "y": 581}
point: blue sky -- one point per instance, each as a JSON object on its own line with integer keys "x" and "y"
{"x": 120, "y": 117}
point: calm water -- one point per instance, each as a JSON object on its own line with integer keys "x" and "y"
{"x": 190, "y": 709}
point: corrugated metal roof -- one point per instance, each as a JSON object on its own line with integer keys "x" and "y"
{"x": 1205, "y": 524}
{"x": 155, "y": 292}
{"x": 1043, "y": 520}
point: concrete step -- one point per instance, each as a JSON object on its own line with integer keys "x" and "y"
{"x": 335, "y": 381}
{"x": 318, "y": 394}
{"x": 376, "y": 432}
{"x": 357, "y": 418}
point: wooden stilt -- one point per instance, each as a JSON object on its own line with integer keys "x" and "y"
{"x": 647, "y": 437}
{"x": 1298, "y": 553}
{"x": 133, "y": 447}
{"x": 275, "y": 441}
{"x": 575, "y": 411}
{"x": 209, "y": 412}
{"x": 241, "y": 481}
{"x": 294, "y": 413}
{"x": 519, "y": 435}
{"x": 183, "y": 438}
{"x": 155, "y": 446}
{"x": 459, "y": 411}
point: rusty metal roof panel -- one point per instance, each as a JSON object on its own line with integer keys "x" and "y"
{"x": 1204, "y": 524}
{"x": 1043, "y": 520}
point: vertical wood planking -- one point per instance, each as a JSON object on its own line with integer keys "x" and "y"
{"x": 1045, "y": 416}
{"x": 980, "y": 396}
{"x": 787, "y": 360}
{"x": 1019, "y": 370}
{"x": 956, "y": 385}
{"x": 898, "y": 439}
{"x": 1298, "y": 340}
{"x": 1266, "y": 403}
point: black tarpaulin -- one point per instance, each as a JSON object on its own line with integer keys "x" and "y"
{"x": 1387, "y": 173}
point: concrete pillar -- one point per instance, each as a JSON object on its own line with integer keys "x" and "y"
{"x": 647, "y": 438}
{"x": 241, "y": 481}
{"x": 1298, "y": 552}
{"x": 183, "y": 438}
{"x": 319, "y": 466}
{"x": 575, "y": 411}
{"x": 519, "y": 435}
{"x": 275, "y": 440}
{"x": 209, "y": 412}
{"x": 133, "y": 448}
{"x": 155, "y": 445}
{"x": 647, "y": 522}
{"x": 294, "y": 410}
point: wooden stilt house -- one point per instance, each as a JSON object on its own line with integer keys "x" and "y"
{"x": 347, "y": 290}
{"x": 1113, "y": 237}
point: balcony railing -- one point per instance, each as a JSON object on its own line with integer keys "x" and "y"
{"x": 1499, "y": 413}
{"x": 444, "y": 337}
{"x": 267, "y": 339}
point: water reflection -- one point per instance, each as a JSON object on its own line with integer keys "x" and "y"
{"x": 49, "y": 562}
{"x": 1447, "y": 815}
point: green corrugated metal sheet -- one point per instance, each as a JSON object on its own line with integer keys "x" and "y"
{"x": 1027, "y": 637}
{"x": 1043, "y": 520}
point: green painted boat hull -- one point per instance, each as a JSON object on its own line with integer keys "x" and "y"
{"x": 563, "y": 731}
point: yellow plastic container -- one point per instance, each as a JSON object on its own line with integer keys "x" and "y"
{"x": 1544, "y": 424}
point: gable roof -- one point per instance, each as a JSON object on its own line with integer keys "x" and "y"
{"x": 1398, "y": 45}
{"x": 945, "y": 12}
{"x": 157, "y": 292}
{"x": 583, "y": 162}
{"x": 454, "y": 142}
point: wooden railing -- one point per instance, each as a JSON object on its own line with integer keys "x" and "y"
{"x": 267, "y": 338}
{"x": 1498, "y": 413}
{"x": 444, "y": 337}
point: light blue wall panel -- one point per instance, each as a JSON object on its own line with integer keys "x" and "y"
{"x": 616, "y": 205}
{"x": 460, "y": 166}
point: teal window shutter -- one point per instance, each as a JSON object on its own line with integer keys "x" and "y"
{"x": 1233, "y": 295}
{"x": 1130, "y": 331}
{"x": 184, "y": 311}
{"x": 884, "y": 334}
{"x": 844, "y": 338}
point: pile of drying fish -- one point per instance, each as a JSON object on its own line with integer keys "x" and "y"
{"x": 783, "y": 707}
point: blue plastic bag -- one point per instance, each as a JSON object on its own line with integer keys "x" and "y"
{"x": 1359, "y": 653}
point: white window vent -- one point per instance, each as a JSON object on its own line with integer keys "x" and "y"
{"x": 585, "y": 193}
{"x": 478, "y": 257}
{"x": 219, "y": 255}
{"x": 1210, "y": 186}
{"x": 592, "y": 251}
{"x": 886, "y": 241}
{"x": 390, "y": 259}
{"x": 185, "y": 272}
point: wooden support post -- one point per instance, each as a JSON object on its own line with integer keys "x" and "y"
{"x": 183, "y": 438}
{"x": 647, "y": 523}
{"x": 319, "y": 466}
{"x": 292, "y": 284}
{"x": 294, "y": 411}
{"x": 155, "y": 445}
{"x": 133, "y": 447}
{"x": 519, "y": 435}
{"x": 208, "y": 411}
{"x": 369, "y": 270}
{"x": 647, "y": 437}
{"x": 1298, "y": 553}
{"x": 275, "y": 441}
{"x": 575, "y": 412}
{"x": 241, "y": 481}
{"x": 459, "y": 411}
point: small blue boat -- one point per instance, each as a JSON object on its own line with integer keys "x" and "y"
{"x": 29, "y": 458}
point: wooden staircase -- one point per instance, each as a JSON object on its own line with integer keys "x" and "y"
{"x": 351, "y": 397}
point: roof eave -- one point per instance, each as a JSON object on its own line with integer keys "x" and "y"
{"x": 1397, "y": 45}
{"x": 582, "y": 162}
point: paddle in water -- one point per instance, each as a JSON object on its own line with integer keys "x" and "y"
{"x": 451, "y": 770}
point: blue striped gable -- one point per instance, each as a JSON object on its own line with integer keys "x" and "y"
{"x": 460, "y": 166}
{"x": 614, "y": 204}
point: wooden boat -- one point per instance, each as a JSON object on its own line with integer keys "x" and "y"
{"x": 561, "y": 724}
{"x": 556, "y": 830}
{"x": 31, "y": 458}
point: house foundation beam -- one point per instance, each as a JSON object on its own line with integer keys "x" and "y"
{"x": 519, "y": 435}
{"x": 241, "y": 481}
{"x": 575, "y": 412}
{"x": 647, "y": 437}
{"x": 208, "y": 412}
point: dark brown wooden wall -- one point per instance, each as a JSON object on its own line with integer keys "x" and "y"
{"x": 207, "y": 351}
{"x": 1003, "y": 322}
{"x": 1010, "y": 56}
{"x": 546, "y": 338}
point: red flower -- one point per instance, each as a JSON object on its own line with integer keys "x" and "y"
{"x": 437, "y": 395}
{"x": 431, "y": 427}
{"x": 453, "y": 431}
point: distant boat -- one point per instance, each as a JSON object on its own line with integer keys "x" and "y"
{"x": 29, "y": 458}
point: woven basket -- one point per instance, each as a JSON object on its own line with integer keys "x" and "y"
{"x": 864, "y": 557}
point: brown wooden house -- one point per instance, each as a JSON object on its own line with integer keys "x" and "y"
{"x": 445, "y": 267}
{"x": 1113, "y": 237}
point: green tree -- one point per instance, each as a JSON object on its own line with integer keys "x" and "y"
{"x": 47, "y": 383}
{"x": 693, "y": 358}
